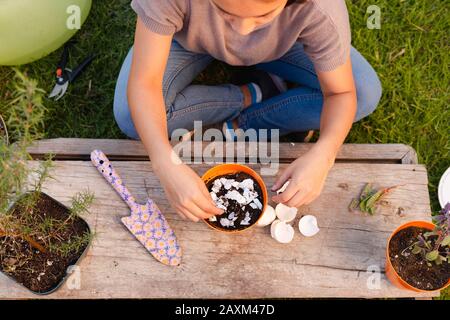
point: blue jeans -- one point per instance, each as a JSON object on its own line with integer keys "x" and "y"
{"x": 295, "y": 110}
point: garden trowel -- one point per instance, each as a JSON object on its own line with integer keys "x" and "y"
{"x": 146, "y": 221}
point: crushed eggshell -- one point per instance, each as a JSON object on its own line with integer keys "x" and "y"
{"x": 267, "y": 217}
{"x": 246, "y": 220}
{"x": 224, "y": 222}
{"x": 285, "y": 213}
{"x": 242, "y": 192}
{"x": 235, "y": 195}
{"x": 246, "y": 184}
{"x": 227, "y": 185}
{"x": 258, "y": 203}
{"x": 308, "y": 226}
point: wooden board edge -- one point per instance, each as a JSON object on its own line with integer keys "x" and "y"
{"x": 131, "y": 150}
{"x": 410, "y": 156}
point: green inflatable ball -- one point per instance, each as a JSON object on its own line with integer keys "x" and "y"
{"x": 31, "y": 29}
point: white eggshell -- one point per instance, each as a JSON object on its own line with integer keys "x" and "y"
{"x": 308, "y": 226}
{"x": 285, "y": 185}
{"x": 225, "y": 222}
{"x": 213, "y": 196}
{"x": 258, "y": 203}
{"x": 285, "y": 213}
{"x": 283, "y": 232}
{"x": 272, "y": 227}
{"x": 267, "y": 217}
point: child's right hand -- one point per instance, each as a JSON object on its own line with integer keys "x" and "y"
{"x": 186, "y": 192}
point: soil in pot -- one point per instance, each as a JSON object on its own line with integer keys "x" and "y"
{"x": 41, "y": 272}
{"x": 412, "y": 268}
{"x": 241, "y": 198}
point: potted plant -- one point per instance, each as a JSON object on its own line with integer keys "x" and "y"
{"x": 39, "y": 237}
{"x": 418, "y": 254}
{"x": 240, "y": 192}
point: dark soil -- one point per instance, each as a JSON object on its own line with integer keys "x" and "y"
{"x": 41, "y": 272}
{"x": 234, "y": 206}
{"x": 412, "y": 267}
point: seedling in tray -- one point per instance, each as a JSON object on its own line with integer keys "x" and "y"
{"x": 39, "y": 237}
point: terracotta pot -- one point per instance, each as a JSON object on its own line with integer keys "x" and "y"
{"x": 233, "y": 168}
{"x": 391, "y": 274}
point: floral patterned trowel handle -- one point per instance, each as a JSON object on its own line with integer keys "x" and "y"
{"x": 146, "y": 221}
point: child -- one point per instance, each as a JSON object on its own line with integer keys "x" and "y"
{"x": 305, "y": 42}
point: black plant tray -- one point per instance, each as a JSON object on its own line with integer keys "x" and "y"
{"x": 64, "y": 278}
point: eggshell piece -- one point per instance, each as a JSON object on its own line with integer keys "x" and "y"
{"x": 283, "y": 232}
{"x": 285, "y": 185}
{"x": 285, "y": 213}
{"x": 308, "y": 226}
{"x": 272, "y": 227}
{"x": 267, "y": 218}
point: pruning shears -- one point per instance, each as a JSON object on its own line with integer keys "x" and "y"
{"x": 64, "y": 75}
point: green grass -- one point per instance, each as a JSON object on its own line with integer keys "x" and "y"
{"x": 410, "y": 54}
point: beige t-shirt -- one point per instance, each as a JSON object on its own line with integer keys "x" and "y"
{"x": 322, "y": 26}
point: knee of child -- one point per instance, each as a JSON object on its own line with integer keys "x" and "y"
{"x": 368, "y": 94}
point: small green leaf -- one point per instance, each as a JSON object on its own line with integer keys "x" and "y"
{"x": 353, "y": 205}
{"x": 366, "y": 192}
{"x": 363, "y": 206}
{"x": 432, "y": 256}
{"x": 416, "y": 249}
{"x": 439, "y": 260}
{"x": 374, "y": 198}
{"x": 446, "y": 241}
{"x": 430, "y": 234}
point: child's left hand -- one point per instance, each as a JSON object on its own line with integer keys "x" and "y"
{"x": 306, "y": 177}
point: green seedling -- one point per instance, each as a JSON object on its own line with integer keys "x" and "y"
{"x": 25, "y": 122}
{"x": 439, "y": 251}
{"x": 369, "y": 199}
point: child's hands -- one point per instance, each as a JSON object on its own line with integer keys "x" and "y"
{"x": 186, "y": 192}
{"x": 307, "y": 177}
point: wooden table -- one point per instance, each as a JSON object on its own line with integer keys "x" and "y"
{"x": 337, "y": 262}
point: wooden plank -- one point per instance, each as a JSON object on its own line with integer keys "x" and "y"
{"x": 76, "y": 149}
{"x": 248, "y": 265}
{"x": 410, "y": 157}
